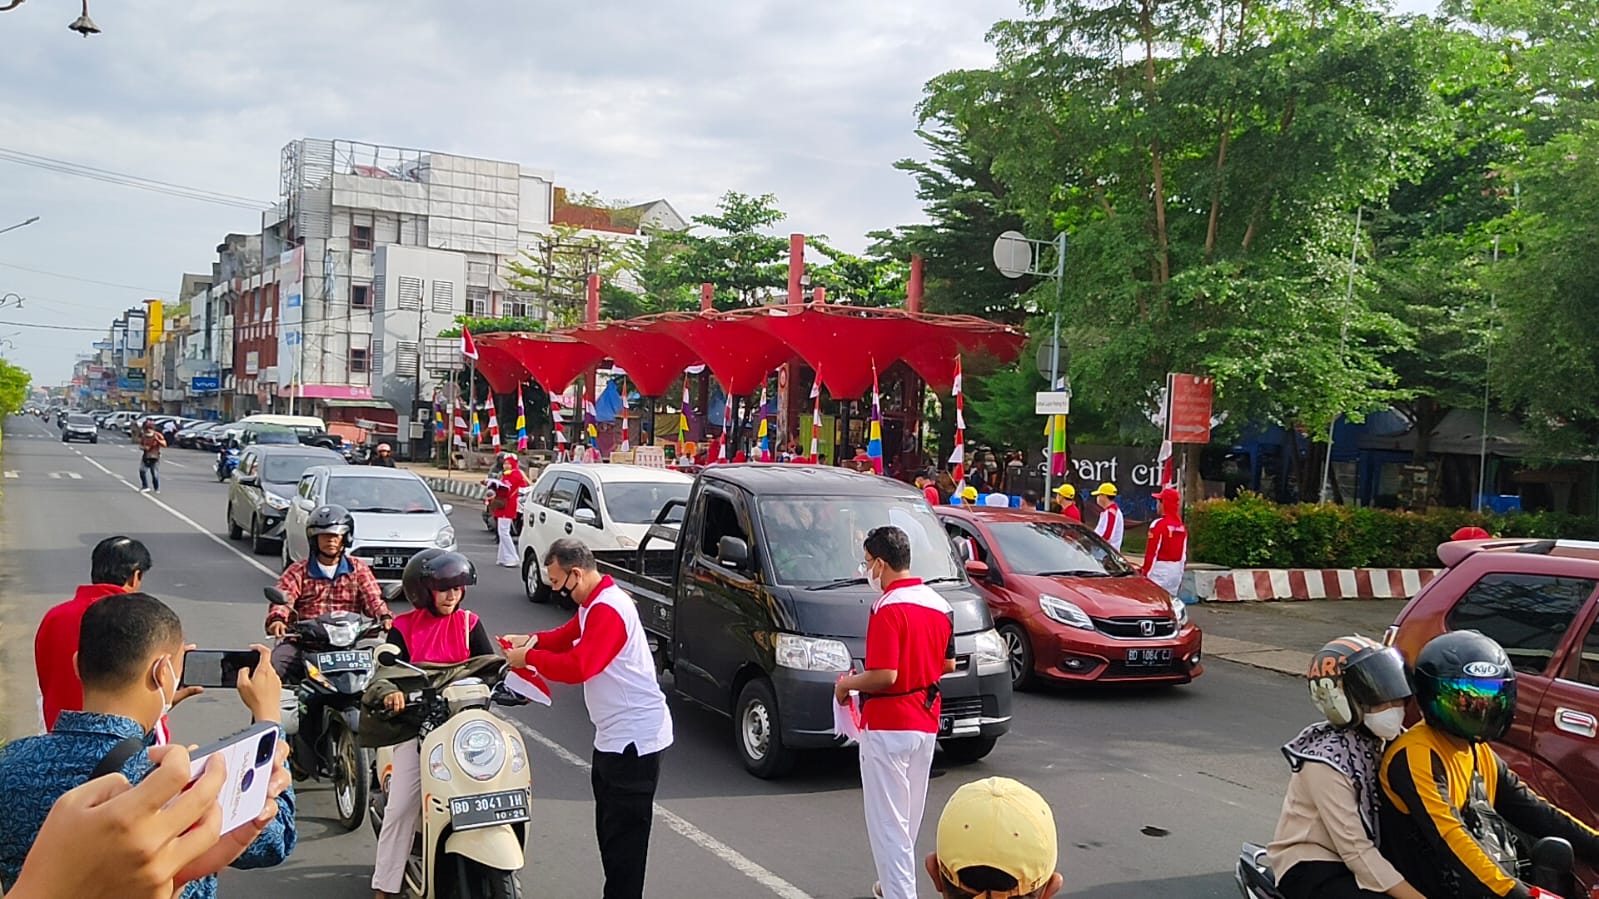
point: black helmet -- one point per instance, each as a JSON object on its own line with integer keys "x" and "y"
{"x": 1351, "y": 675}
{"x": 1466, "y": 686}
{"x": 330, "y": 519}
{"x": 435, "y": 569}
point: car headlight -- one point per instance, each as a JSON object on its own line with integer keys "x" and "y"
{"x": 276, "y": 502}
{"x": 445, "y": 537}
{"x": 1065, "y": 612}
{"x": 1179, "y": 611}
{"x": 436, "y": 766}
{"x": 811, "y": 653}
{"x": 991, "y": 655}
{"x": 480, "y": 750}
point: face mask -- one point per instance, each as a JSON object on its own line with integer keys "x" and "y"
{"x": 565, "y": 592}
{"x": 155, "y": 672}
{"x": 874, "y": 580}
{"x": 1387, "y": 724}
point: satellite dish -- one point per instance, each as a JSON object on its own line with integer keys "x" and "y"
{"x": 1013, "y": 254}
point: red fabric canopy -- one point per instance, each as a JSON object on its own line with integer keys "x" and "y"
{"x": 841, "y": 342}
{"x": 554, "y": 360}
{"x": 500, "y": 368}
{"x": 741, "y": 355}
{"x": 651, "y": 358}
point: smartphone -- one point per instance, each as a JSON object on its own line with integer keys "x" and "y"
{"x": 249, "y": 756}
{"x": 216, "y": 668}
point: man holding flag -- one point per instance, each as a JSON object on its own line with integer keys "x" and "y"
{"x": 603, "y": 648}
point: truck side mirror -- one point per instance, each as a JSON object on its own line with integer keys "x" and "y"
{"x": 733, "y": 552}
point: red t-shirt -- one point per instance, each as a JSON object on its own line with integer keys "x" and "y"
{"x": 1073, "y": 513}
{"x": 931, "y": 493}
{"x": 1168, "y": 542}
{"x": 913, "y": 639}
{"x": 55, "y": 645}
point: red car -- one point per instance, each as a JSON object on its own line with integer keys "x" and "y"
{"x": 1537, "y": 599}
{"x": 1070, "y": 608}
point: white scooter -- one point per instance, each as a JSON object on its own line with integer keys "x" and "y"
{"x": 476, "y": 786}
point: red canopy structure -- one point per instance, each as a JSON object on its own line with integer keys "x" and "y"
{"x": 740, "y": 356}
{"x": 653, "y": 359}
{"x": 553, "y": 360}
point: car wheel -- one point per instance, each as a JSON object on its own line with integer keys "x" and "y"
{"x": 758, "y": 733}
{"x": 259, "y": 544}
{"x": 1019, "y": 650}
{"x": 94, "y": 439}
{"x": 532, "y": 584}
{"x": 968, "y": 749}
{"x": 234, "y": 531}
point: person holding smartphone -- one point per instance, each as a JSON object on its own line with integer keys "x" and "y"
{"x": 130, "y": 660}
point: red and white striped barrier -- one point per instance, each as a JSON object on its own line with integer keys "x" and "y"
{"x": 1285, "y": 584}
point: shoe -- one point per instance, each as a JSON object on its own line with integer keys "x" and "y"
{"x": 877, "y": 890}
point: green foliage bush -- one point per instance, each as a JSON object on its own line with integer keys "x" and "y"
{"x": 1252, "y": 532}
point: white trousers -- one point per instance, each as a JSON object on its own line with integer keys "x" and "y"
{"x": 401, "y": 814}
{"x": 507, "y": 545}
{"x": 1168, "y": 575}
{"x": 894, "y": 769}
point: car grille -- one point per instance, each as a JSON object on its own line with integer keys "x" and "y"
{"x": 1135, "y": 628}
{"x": 389, "y": 572}
{"x": 963, "y": 707}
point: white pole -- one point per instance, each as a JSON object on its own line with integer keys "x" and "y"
{"x": 1487, "y": 372}
{"x": 1343, "y": 340}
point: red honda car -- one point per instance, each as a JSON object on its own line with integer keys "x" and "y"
{"x": 1070, "y": 608}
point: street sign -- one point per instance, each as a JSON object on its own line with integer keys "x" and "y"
{"x": 1044, "y": 360}
{"x": 1189, "y": 408}
{"x": 1052, "y": 402}
{"x": 1013, "y": 254}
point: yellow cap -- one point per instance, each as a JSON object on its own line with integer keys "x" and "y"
{"x": 998, "y": 823}
{"x": 1067, "y": 491}
{"x": 969, "y": 492}
{"x": 1105, "y": 489}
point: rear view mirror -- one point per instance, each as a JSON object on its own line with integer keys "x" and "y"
{"x": 392, "y": 592}
{"x": 733, "y": 552}
{"x": 587, "y": 516}
{"x": 976, "y": 569}
{"x": 446, "y": 508}
{"x": 275, "y": 596}
{"x": 387, "y": 654}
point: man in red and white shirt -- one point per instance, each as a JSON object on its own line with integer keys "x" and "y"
{"x": 1109, "y": 525}
{"x": 1167, "y": 551}
{"x": 603, "y": 648}
{"x": 909, "y": 648}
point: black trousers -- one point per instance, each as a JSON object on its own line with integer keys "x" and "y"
{"x": 1322, "y": 880}
{"x": 624, "y": 805}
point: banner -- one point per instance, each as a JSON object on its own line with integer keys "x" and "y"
{"x": 291, "y": 300}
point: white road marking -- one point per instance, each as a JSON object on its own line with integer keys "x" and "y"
{"x": 185, "y": 519}
{"x": 724, "y": 853}
{"x": 58, "y": 475}
{"x": 11, "y": 474}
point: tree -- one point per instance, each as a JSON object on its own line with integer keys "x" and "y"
{"x": 557, "y": 270}
{"x": 14, "y": 382}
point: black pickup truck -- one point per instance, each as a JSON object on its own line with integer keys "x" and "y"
{"x": 761, "y": 606}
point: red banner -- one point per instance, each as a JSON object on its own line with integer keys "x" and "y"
{"x": 1188, "y": 408}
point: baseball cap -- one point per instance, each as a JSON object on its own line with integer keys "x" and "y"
{"x": 969, "y": 492}
{"x": 1105, "y": 489}
{"x": 1066, "y": 490}
{"x": 1002, "y": 824}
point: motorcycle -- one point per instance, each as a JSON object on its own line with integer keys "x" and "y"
{"x": 472, "y": 833}
{"x": 488, "y": 507}
{"x": 227, "y": 460}
{"x": 1549, "y": 865}
{"x": 337, "y": 649}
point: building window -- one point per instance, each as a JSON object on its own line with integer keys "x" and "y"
{"x": 358, "y": 360}
{"x": 406, "y": 358}
{"x": 444, "y": 296}
{"x": 477, "y": 302}
{"x": 516, "y": 305}
{"x": 360, "y": 237}
{"x": 410, "y": 294}
{"x": 361, "y": 296}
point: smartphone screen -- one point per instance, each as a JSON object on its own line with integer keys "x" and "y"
{"x": 216, "y": 668}
{"x": 249, "y": 756}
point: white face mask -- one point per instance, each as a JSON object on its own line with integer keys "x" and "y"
{"x": 1386, "y": 724}
{"x": 873, "y": 580}
{"x": 166, "y": 703}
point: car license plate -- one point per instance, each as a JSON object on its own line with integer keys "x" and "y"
{"x": 348, "y": 660}
{"x": 946, "y": 725}
{"x": 1148, "y": 657}
{"x": 388, "y": 561}
{"x": 488, "y": 809}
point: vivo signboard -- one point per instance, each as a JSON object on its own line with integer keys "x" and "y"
{"x": 205, "y": 383}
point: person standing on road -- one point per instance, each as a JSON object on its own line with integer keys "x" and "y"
{"x": 507, "y": 506}
{"x": 1066, "y": 503}
{"x": 909, "y": 647}
{"x": 996, "y": 837}
{"x": 150, "y": 444}
{"x": 603, "y": 648}
{"x": 1166, "y": 554}
{"x": 383, "y": 458}
{"x": 1110, "y": 524}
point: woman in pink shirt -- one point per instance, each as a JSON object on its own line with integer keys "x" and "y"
{"x": 438, "y": 631}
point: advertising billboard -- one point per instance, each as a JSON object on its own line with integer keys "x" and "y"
{"x": 291, "y": 301}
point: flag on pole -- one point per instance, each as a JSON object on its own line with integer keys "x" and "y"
{"x": 764, "y": 433}
{"x": 555, "y": 416}
{"x": 1164, "y": 463}
{"x": 460, "y": 429}
{"x": 1057, "y": 446}
{"x": 627, "y": 444}
{"x": 682, "y": 418}
{"x": 727, "y": 427}
{"x": 521, "y": 422}
{"x": 816, "y": 416}
{"x": 958, "y": 458}
{"x": 468, "y": 345}
{"x": 494, "y": 426}
{"x": 874, "y": 438}
{"x": 477, "y": 430}
{"x": 438, "y": 416}
{"x": 590, "y": 419}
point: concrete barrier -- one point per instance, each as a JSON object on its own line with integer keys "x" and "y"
{"x": 1291, "y": 584}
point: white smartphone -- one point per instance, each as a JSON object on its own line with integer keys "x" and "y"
{"x": 249, "y": 756}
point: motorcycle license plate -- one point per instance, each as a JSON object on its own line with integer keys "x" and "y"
{"x": 347, "y": 660}
{"x": 388, "y": 561}
{"x": 1149, "y": 657}
{"x": 488, "y": 809}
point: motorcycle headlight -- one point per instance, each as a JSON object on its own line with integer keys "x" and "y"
{"x": 343, "y": 633}
{"x": 445, "y": 537}
{"x": 480, "y": 750}
{"x": 276, "y": 502}
{"x": 436, "y": 766}
{"x": 811, "y": 653}
{"x": 1179, "y": 611}
{"x": 991, "y": 655}
{"x": 1065, "y": 612}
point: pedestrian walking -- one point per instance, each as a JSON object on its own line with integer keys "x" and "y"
{"x": 1110, "y": 524}
{"x": 1166, "y": 554}
{"x": 507, "y": 505}
{"x": 150, "y": 444}
{"x": 1066, "y": 503}
{"x": 603, "y": 648}
{"x": 909, "y": 647}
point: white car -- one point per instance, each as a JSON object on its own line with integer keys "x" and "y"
{"x": 396, "y": 515}
{"x": 608, "y": 507}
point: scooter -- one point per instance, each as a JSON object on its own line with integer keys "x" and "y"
{"x": 1549, "y": 865}
{"x": 476, "y": 787}
{"x": 337, "y": 649}
{"x": 227, "y": 460}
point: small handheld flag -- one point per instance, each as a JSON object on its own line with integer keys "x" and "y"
{"x": 526, "y": 682}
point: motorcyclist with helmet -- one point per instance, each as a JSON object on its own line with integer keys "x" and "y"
{"x": 1449, "y": 801}
{"x": 437, "y": 631}
{"x": 1326, "y": 843}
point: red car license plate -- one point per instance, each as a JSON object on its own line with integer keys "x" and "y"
{"x": 1148, "y": 657}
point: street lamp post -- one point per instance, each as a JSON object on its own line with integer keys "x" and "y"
{"x": 1015, "y": 256}
{"x": 11, "y": 299}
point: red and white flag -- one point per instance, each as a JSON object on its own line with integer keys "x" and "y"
{"x": 526, "y": 682}
{"x": 468, "y": 346}
{"x": 816, "y": 415}
{"x": 958, "y": 457}
{"x": 1164, "y": 463}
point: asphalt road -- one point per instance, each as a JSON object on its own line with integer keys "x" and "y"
{"x": 1153, "y": 790}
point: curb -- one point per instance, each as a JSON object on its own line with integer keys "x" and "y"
{"x": 1294, "y": 584}
{"x": 455, "y": 487}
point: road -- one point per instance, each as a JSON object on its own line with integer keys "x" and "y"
{"x": 1153, "y": 790}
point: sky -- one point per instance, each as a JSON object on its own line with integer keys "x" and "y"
{"x": 628, "y": 99}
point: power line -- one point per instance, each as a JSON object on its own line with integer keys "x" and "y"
{"x": 40, "y": 271}
{"x": 137, "y": 182}
{"x": 101, "y": 330}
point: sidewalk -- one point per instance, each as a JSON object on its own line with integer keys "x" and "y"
{"x": 1283, "y": 636}
{"x": 455, "y": 482}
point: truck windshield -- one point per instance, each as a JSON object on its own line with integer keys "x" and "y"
{"x": 817, "y": 540}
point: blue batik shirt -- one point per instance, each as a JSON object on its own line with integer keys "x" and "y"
{"x": 35, "y": 771}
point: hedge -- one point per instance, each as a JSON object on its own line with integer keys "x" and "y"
{"x": 1252, "y": 532}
